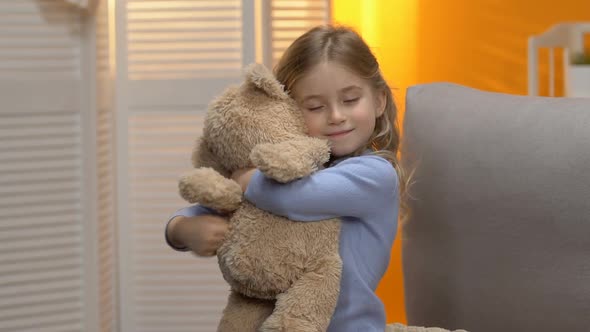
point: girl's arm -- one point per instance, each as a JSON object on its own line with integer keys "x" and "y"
{"x": 349, "y": 189}
{"x": 197, "y": 229}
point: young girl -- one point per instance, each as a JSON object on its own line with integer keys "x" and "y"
{"x": 335, "y": 79}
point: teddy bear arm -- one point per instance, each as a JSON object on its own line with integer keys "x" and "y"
{"x": 292, "y": 159}
{"x": 209, "y": 188}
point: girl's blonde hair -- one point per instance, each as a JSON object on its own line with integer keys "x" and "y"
{"x": 346, "y": 47}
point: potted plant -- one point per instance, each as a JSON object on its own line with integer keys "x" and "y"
{"x": 578, "y": 76}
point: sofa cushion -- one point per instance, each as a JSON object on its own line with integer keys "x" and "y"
{"x": 499, "y": 233}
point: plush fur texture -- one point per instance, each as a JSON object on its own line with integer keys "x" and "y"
{"x": 284, "y": 275}
{"x": 214, "y": 190}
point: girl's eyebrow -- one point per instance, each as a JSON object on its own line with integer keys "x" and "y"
{"x": 350, "y": 87}
{"x": 310, "y": 97}
{"x": 343, "y": 90}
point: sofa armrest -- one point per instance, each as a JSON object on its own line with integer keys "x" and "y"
{"x": 498, "y": 237}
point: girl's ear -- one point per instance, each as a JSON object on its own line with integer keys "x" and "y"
{"x": 262, "y": 78}
{"x": 380, "y": 103}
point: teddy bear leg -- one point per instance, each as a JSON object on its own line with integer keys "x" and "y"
{"x": 309, "y": 304}
{"x": 244, "y": 314}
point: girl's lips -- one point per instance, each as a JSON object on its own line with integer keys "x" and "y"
{"x": 339, "y": 134}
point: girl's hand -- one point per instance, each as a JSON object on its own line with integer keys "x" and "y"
{"x": 202, "y": 235}
{"x": 243, "y": 176}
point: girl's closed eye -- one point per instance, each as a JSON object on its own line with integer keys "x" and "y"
{"x": 351, "y": 100}
{"x": 315, "y": 108}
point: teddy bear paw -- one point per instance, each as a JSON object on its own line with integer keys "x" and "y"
{"x": 209, "y": 188}
{"x": 282, "y": 162}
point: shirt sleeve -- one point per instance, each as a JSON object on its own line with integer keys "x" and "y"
{"x": 348, "y": 189}
{"x": 189, "y": 211}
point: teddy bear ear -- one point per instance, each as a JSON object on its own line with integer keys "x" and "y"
{"x": 261, "y": 77}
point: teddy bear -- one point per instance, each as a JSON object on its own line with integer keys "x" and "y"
{"x": 284, "y": 275}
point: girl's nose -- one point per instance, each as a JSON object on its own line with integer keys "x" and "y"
{"x": 336, "y": 116}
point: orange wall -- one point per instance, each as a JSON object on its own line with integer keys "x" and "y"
{"x": 480, "y": 43}
{"x": 483, "y": 44}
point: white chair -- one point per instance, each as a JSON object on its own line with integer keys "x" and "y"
{"x": 570, "y": 37}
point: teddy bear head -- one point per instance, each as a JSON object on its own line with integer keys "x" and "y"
{"x": 257, "y": 111}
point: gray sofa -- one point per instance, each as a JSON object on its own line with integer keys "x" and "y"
{"x": 499, "y": 236}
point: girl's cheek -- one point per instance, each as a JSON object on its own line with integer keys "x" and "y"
{"x": 313, "y": 129}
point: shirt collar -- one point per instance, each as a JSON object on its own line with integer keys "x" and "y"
{"x": 341, "y": 159}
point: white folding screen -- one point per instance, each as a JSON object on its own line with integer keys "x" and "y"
{"x": 172, "y": 58}
{"x": 100, "y": 112}
{"x": 48, "y": 265}
{"x": 285, "y": 20}
{"x": 101, "y": 35}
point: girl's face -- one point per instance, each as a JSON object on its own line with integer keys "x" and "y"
{"x": 339, "y": 106}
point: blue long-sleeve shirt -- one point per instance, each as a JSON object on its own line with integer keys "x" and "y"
{"x": 363, "y": 192}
